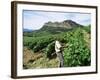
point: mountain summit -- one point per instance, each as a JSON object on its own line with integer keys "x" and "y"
{"x": 60, "y": 26}
{"x": 65, "y": 24}
{"x": 53, "y": 28}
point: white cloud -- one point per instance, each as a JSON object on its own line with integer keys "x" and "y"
{"x": 80, "y": 18}
{"x": 36, "y": 19}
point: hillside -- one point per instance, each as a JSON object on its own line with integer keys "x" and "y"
{"x": 39, "y": 45}
{"x": 54, "y": 28}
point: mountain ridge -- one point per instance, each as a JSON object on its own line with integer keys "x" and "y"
{"x": 65, "y": 24}
{"x": 27, "y": 30}
{"x": 56, "y": 27}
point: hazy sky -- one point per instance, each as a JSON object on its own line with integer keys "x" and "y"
{"x": 35, "y": 19}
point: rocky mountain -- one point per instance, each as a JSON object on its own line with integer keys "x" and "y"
{"x": 56, "y": 27}
{"x": 65, "y": 24}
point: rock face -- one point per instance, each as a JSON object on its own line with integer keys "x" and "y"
{"x": 58, "y": 27}
{"x": 69, "y": 24}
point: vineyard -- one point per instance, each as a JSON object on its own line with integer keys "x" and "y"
{"x": 41, "y": 45}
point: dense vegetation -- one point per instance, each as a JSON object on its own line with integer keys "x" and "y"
{"x": 77, "y": 52}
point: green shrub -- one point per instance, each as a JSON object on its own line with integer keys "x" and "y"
{"x": 88, "y": 28}
{"x": 50, "y": 50}
{"x": 77, "y": 53}
{"x": 42, "y": 42}
{"x": 32, "y": 45}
